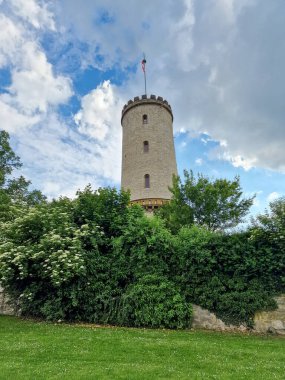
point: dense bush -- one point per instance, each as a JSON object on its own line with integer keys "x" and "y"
{"x": 154, "y": 301}
{"x": 97, "y": 259}
{"x": 70, "y": 260}
{"x": 225, "y": 273}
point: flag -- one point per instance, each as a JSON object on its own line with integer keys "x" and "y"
{"x": 143, "y": 65}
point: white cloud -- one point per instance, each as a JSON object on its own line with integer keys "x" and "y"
{"x": 14, "y": 119}
{"x": 272, "y": 196}
{"x": 64, "y": 160}
{"x": 28, "y": 106}
{"x": 181, "y": 32}
{"x": 199, "y": 161}
{"x": 31, "y": 11}
{"x": 238, "y": 160}
{"x": 34, "y": 87}
{"x": 100, "y": 110}
{"x": 10, "y": 40}
{"x": 61, "y": 158}
{"x": 99, "y": 118}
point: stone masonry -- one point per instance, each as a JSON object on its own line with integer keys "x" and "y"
{"x": 5, "y": 308}
{"x": 272, "y": 321}
{"x": 264, "y": 322}
{"x": 148, "y": 121}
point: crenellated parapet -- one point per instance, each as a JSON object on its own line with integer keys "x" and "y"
{"x": 144, "y": 99}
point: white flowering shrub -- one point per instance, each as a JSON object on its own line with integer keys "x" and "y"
{"x": 43, "y": 252}
{"x": 57, "y": 260}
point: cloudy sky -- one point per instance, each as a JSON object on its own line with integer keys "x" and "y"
{"x": 68, "y": 66}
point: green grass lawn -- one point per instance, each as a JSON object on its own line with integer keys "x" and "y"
{"x": 38, "y": 350}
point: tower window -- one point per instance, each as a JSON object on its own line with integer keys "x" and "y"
{"x": 146, "y": 181}
{"x": 145, "y": 119}
{"x": 145, "y": 146}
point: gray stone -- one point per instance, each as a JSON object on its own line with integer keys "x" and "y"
{"x": 272, "y": 321}
{"x": 5, "y": 307}
{"x": 264, "y": 322}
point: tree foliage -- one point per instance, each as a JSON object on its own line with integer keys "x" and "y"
{"x": 268, "y": 236}
{"x": 155, "y": 301}
{"x": 225, "y": 273}
{"x": 15, "y": 195}
{"x": 87, "y": 259}
{"x": 96, "y": 258}
{"x": 270, "y": 226}
{"x": 68, "y": 259}
{"x": 217, "y": 205}
{"x": 8, "y": 159}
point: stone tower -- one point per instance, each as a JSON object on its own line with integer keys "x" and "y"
{"x": 148, "y": 155}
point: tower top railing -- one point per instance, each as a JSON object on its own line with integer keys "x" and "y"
{"x": 144, "y": 99}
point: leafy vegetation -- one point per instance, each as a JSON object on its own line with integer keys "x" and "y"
{"x": 97, "y": 259}
{"x": 216, "y": 205}
{"x": 31, "y": 350}
{"x": 224, "y": 273}
{"x": 154, "y": 301}
{"x": 15, "y": 196}
{"x": 61, "y": 260}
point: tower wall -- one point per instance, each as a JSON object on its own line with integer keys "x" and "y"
{"x": 159, "y": 161}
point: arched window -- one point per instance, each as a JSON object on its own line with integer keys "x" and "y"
{"x": 146, "y": 181}
{"x": 145, "y": 146}
{"x": 144, "y": 119}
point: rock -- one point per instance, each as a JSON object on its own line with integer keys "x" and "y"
{"x": 272, "y": 321}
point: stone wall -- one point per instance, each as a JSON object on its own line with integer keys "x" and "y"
{"x": 264, "y": 322}
{"x": 5, "y": 308}
{"x": 204, "y": 319}
{"x": 272, "y": 321}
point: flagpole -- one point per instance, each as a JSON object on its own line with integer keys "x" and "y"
{"x": 144, "y": 72}
{"x": 144, "y": 82}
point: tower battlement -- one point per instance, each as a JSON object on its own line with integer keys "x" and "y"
{"x": 144, "y": 99}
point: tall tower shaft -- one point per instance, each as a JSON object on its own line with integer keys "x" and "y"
{"x": 148, "y": 155}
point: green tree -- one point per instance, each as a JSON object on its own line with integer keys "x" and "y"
{"x": 272, "y": 222}
{"x": 217, "y": 205}
{"x": 268, "y": 235}
{"x": 15, "y": 194}
{"x": 8, "y": 159}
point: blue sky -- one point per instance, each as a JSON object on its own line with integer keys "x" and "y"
{"x": 68, "y": 67}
